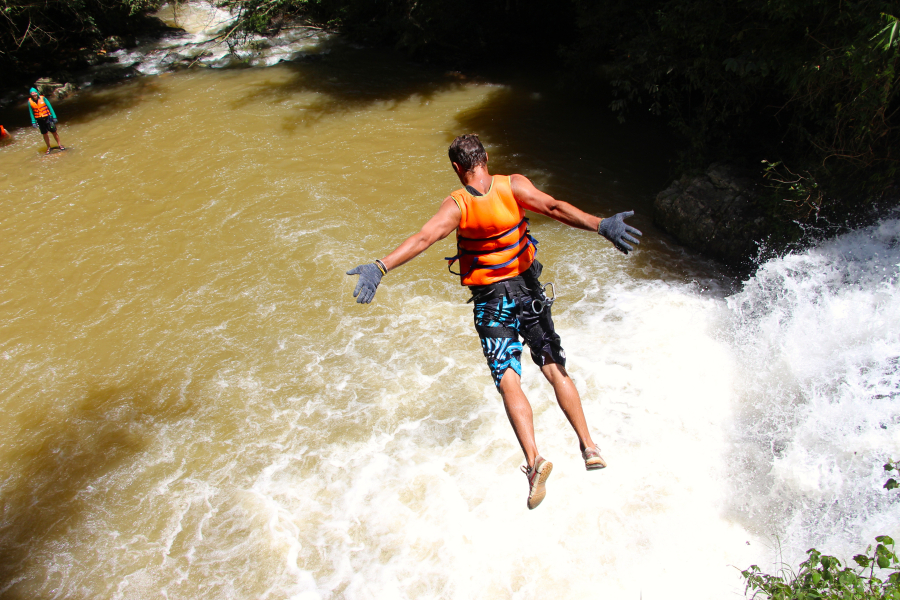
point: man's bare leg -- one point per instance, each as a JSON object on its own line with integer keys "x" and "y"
{"x": 47, "y": 141}
{"x": 569, "y": 401}
{"x": 522, "y": 419}
{"x": 519, "y": 412}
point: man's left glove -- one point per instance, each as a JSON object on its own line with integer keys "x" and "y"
{"x": 369, "y": 278}
{"x": 615, "y": 230}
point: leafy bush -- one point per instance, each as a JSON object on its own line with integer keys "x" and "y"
{"x": 34, "y": 35}
{"x": 822, "y": 577}
{"x": 813, "y": 83}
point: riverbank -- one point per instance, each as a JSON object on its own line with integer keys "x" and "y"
{"x": 177, "y": 36}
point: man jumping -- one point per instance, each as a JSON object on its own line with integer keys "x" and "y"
{"x": 495, "y": 252}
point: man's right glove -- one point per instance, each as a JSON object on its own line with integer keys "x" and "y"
{"x": 615, "y": 230}
{"x": 369, "y": 278}
{"x": 34, "y": 125}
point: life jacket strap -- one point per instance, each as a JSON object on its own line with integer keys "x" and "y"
{"x": 494, "y": 237}
{"x": 528, "y": 239}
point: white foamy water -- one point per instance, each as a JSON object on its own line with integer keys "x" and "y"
{"x": 818, "y": 338}
{"x": 738, "y": 431}
{"x": 431, "y": 503}
{"x": 209, "y": 39}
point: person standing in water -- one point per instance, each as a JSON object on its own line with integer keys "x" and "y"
{"x": 496, "y": 256}
{"x": 43, "y": 117}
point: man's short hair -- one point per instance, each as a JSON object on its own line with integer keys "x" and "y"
{"x": 467, "y": 152}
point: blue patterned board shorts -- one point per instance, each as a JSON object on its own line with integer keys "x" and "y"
{"x": 501, "y": 321}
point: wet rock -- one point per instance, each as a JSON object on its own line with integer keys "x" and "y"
{"x": 118, "y": 42}
{"x": 93, "y": 58}
{"x": 716, "y": 213}
{"x": 113, "y": 43}
{"x": 47, "y": 86}
{"x": 56, "y": 86}
{"x": 65, "y": 91}
{"x": 89, "y": 57}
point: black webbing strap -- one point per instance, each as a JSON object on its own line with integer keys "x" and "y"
{"x": 495, "y": 332}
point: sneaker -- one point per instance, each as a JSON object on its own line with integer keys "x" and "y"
{"x": 592, "y": 459}
{"x": 537, "y": 477}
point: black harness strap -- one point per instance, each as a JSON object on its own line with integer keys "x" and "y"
{"x": 495, "y": 332}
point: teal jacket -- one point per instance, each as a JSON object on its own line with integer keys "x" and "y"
{"x": 47, "y": 102}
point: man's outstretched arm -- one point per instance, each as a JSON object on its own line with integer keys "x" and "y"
{"x": 613, "y": 228}
{"x": 437, "y": 228}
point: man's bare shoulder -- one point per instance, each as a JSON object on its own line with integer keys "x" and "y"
{"x": 449, "y": 209}
{"x": 448, "y": 201}
{"x": 523, "y": 190}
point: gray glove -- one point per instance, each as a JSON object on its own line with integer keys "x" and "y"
{"x": 369, "y": 278}
{"x": 34, "y": 125}
{"x": 615, "y": 230}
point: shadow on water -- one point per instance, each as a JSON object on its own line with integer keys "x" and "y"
{"x": 540, "y": 126}
{"x": 571, "y": 146}
{"x": 89, "y": 105}
{"x": 45, "y": 491}
{"x": 574, "y": 148}
{"x": 350, "y": 79}
{"x": 544, "y": 130}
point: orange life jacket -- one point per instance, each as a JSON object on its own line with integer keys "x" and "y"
{"x": 492, "y": 241}
{"x": 39, "y": 108}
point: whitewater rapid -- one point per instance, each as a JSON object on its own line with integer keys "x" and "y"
{"x": 740, "y": 429}
{"x": 817, "y": 335}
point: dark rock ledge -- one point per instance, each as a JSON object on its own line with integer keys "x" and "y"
{"x": 716, "y": 213}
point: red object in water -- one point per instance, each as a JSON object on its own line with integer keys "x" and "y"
{"x": 3, "y": 132}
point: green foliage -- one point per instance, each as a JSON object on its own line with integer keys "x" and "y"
{"x": 799, "y": 189}
{"x": 813, "y": 81}
{"x": 821, "y": 577}
{"x": 824, "y": 577}
{"x": 891, "y": 484}
{"x": 34, "y": 34}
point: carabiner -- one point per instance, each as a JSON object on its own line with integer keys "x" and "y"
{"x": 539, "y": 304}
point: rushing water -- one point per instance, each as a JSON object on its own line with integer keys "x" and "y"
{"x": 195, "y": 407}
